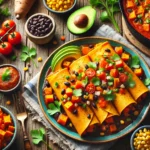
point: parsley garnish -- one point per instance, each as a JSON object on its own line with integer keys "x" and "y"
{"x": 147, "y": 81}
{"x": 134, "y": 62}
{"x": 109, "y": 96}
{"x": 56, "y": 84}
{"x": 54, "y": 107}
{"x": 77, "y": 92}
{"x": 92, "y": 65}
{"x": 38, "y": 136}
{"x": 67, "y": 77}
{"x": 85, "y": 81}
{"x": 28, "y": 54}
{"x": 130, "y": 82}
{"x": 79, "y": 76}
{"x": 96, "y": 81}
{"x": 84, "y": 105}
{"x": 115, "y": 57}
{"x": 6, "y": 75}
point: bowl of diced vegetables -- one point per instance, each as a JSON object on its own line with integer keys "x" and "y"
{"x": 140, "y": 138}
{"x": 8, "y": 128}
{"x": 59, "y": 6}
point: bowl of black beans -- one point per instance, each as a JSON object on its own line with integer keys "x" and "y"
{"x": 40, "y": 28}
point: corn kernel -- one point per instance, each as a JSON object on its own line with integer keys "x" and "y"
{"x": 25, "y": 68}
{"x": 90, "y": 96}
{"x": 39, "y": 59}
{"x": 102, "y": 133}
{"x": 55, "y": 42}
{"x": 8, "y": 102}
{"x": 65, "y": 96}
{"x": 121, "y": 121}
{"x": 136, "y": 113}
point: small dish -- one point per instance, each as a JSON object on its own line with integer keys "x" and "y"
{"x": 40, "y": 28}
{"x": 59, "y": 12}
{"x": 142, "y": 131}
{"x": 8, "y": 78}
{"x": 5, "y": 110}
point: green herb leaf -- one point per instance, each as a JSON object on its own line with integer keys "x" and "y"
{"x": 6, "y": 75}
{"x": 54, "y": 107}
{"x": 25, "y": 49}
{"x": 134, "y": 62}
{"x": 85, "y": 81}
{"x": 24, "y": 57}
{"x": 67, "y": 77}
{"x": 32, "y": 52}
{"x": 109, "y": 96}
{"x": 115, "y": 57}
{"x": 130, "y": 82}
{"x": 147, "y": 81}
{"x": 1, "y": 1}
{"x": 79, "y": 77}
{"x": 56, "y": 84}
{"x": 5, "y": 12}
{"x": 84, "y": 105}
{"x": 13, "y": 57}
{"x": 77, "y": 92}
{"x": 96, "y": 81}
{"x": 92, "y": 65}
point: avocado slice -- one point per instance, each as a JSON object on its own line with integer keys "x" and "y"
{"x": 89, "y": 12}
{"x": 58, "y": 63}
{"x": 66, "y": 49}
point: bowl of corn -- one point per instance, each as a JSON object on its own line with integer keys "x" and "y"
{"x": 140, "y": 139}
{"x": 59, "y": 6}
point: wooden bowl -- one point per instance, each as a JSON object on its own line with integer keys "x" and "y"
{"x": 135, "y": 33}
{"x": 43, "y": 39}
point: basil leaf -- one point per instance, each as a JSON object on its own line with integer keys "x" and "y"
{"x": 96, "y": 81}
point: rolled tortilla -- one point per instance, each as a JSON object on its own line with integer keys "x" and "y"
{"x": 80, "y": 120}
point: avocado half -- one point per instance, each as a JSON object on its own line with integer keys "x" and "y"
{"x": 67, "y": 53}
{"x": 89, "y": 12}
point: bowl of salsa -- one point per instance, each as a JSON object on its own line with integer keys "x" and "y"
{"x": 137, "y": 17}
{"x": 10, "y": 78}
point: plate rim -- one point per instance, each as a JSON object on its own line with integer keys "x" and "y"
{"x": 82, "y": 139}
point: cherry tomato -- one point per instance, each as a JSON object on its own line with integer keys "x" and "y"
{"x": 109, "y": 67}
{"x": 119, "y": 50}
{"x": 114, "y": 73}
{"x": 103, "y": 63}
{"x": 5, "y": 48}
{"x": 90, "y": 73}
{"x": 102, "y": 76}
{"x": 123, "y": 78}
{"x": 2, "y": 33}
{"x": 14, "y": 38}
{"x": 79, "y": 85}
{"x": 102, "y": 103}
{"x": 6, "y": 25}
{"x": 90, "y": 88}
{"x": 119, "y": 64}
{"x": 122, "y": 91}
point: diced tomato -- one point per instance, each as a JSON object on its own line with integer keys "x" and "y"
{"x": 79, "y": 85}
{"x": 126, "y": 111}
{"x": 102, "y": 102}
{"x": 114, "y": 73}
{"x": 69, "y": 92}
{"x": 116, "y": 83}
{"x": 103, "y": 63}
{"x": 90, "y": 88}
{"x": 138, "y": 72}
{"x": 123, "y": 77}
{"x": 85, "y": 50}
{"x": 102, "y": 76}
{"x": 122, "y": 91}
{"x": 103, "y": 127}
{"x": 119, "y": 63}
{"x": 49, "y": 98}
{"x": 119, "y": 50}
{"x": 125, "y": 57}
{"x": 90, "y": 73}
{"x": 69, "y": 105}
{"x": 109, "y": 120}
{"x": 112, "y": 128}
{"x": 66, "y": 64}
{"x": 109, "y": 67}
{"x": 75, "y": 99}
{"x": 62, "y": 119}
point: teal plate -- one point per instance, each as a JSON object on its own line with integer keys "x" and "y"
{"x": 71, "y": 134}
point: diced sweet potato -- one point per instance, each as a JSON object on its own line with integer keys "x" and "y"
{"x": 69, "y": 105}
{"x": 69, "y": 92}
{"x": 125, "y": 56}
{"x": 145, "y": 27}
{"x": 7, "y": 120}
{"x": 140, "y": 10}
{"x": 132, "y": 15}
{"x": 49, "y": 98}
{"x": 2, "y": 134}
{"x": 62, "y": 119}
{"x": 75, "y": 99}
{"x": 138, "y": 72}
{"x": 129, "y": 4}
{"x": 11, "y": 128}
{"x": 47, "y": 90}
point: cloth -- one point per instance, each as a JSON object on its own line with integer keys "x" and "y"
{"x": 31, "y": 102}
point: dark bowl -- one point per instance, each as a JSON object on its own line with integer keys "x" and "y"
{"x": 134, "y": 134}
{"x": 135, "y": 33}
{"x": 19, "y": 82}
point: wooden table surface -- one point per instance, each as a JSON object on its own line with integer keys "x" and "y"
{"x": 44, "y": 51}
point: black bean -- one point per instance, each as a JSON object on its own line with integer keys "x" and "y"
{"x": 42, "y": 23}
{"x": 47, "y": 84}
{"x": 75, "y": 111}
{"x": 32, "y": 25}
{"x": 43, "y": 26}
{"x": 86, "y": 66}
{"x": 63, "y": 91}
{"x": 39, "y": 16}
{"x": 107, "y": 50}
{"x": 37, "y": 25}
{"x": 32, "y": 28}
{"x": 104, "y": 86}
{"x": 89, "y": 116}
{"x": 35, "y": 33}
{"x": 67, "y": 83}
{"x": 41, "y": 34}
{"x": 97, "y": 63}
{"x": 30, "y": 21}
{"x": 94, "y": 105}
{"x": 47, "y": 29}
{"x": 39, "y": 28}
{"x": 95, "y": 97}
{"x": 76, "y": 73}
{"x": 56, "y": 115}
{"x": 48, "y": 21}
{"x": 34, "y": 22}
{"x": 72, "y": 81}
{"x": 50, "y": 25}
{"x": 46, "y": 24}
{"x": 41, "y": 20}
{"x": 129, "y": 10}
{"x": 91, "y": 46}
{"x": 35, "y": 18}
{"x": 136, "y": 20}
{"x": 43, "y": 31}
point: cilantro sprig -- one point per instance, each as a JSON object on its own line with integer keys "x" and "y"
{"x": 130, "y": 82}
{"x": 6, "y": 75}
{"x": 54, "y": 107}
{"x": 134, "y": 62}
{"x": 4, "y": 11}
{"x": 109, "y": 96}
{"x": 92, "y": 65}
{"x": 28, "y": 54}
{"x": 96, "y": 81}
{"x": 147, "y": 81}
{"x": 77, "y": 92}
{"x": 38, "y": 136}
{"x": 109, "y": 8}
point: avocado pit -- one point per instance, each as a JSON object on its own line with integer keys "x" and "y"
{"x": 81, "y": 20}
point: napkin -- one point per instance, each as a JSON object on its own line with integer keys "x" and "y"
{"x": 30, "y": 96}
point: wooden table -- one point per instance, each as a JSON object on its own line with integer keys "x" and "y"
{"x": 44, "y": 51}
